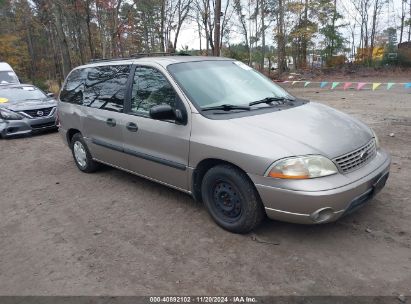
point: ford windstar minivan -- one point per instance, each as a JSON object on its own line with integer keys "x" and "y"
{"x": 224, "y": 133}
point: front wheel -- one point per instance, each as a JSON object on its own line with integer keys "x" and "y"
{"x": 81, "y": 155}
{"x": 231, "y": 199}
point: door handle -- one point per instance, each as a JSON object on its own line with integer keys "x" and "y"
{"x": 111, "y": 122}
{"x": 132, "y": 127}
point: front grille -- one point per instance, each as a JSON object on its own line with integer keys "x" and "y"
{"x": 357, "y": 158}
{"x": 44, "y": 125}
{"x": 39, "y": 112}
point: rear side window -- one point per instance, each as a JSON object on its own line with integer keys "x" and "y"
{"x": 106, "y": 86}
{"x": 74, "y": 87}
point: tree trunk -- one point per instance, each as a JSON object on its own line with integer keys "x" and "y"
{"x": 78, "y": 18}
{"x": 257, "y": 11}
{"x": 250, "y": 48}
{"x": 402, "y": 19}
{"x": 32, "y": 54}
{"x": 262, "y": 4}
{"x": 65, "y": 53}
{"x": 281, "y": 39}
{"x": 57, "y": 66}
{"x": 199, "y": 30}
{"x": 177, "y": 33}
{"x": 224, "y": 23}
{"x": 409, "y": 26}
{"x": 210, "y": 32}
{"x": 304, "y": 38}
{"x": 373, "y": 28}
{"x": 247, "y": 44}
{"x": 163, "y": 14}
{"x": 333, "y": 25}
{"x": 90, "y": 38}
{"x": 102, "y": 30}
{"x": 217, "y": 17}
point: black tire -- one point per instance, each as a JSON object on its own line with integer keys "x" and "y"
{"x": 90, "y": 165}
{"x": 231, "y": 199}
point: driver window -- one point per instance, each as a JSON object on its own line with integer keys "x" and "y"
{"x": 150, "y": 88}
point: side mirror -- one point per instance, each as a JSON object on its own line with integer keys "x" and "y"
{"x": 162, "y": 112}
{"x": 51, "y": 95}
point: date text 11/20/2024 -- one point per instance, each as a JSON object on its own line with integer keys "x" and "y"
{"x": 201, "y": 299}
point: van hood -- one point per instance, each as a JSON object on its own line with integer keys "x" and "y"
{"x": 322, "y": 129}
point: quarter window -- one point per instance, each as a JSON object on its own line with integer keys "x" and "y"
{"x": 74, "y": 87}
{"x": 151, "y": 88}
{"x": 106, "y": 88}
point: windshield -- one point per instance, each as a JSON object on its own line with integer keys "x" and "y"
{"x": 8, "y": 77}
{"x": 215, "y": 83}
{"x": 17, "y": 94}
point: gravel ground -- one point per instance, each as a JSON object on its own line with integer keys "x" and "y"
{"x": 63, "y": 232}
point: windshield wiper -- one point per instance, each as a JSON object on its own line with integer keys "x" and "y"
{"x": 226, "y": 107}
{"x": 269, "y": 100}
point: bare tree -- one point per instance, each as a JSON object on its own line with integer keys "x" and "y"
{"x": 225, "y": 22}
{"x": 207, "y": 24}
{"x": 409, "y": 25}
{"x": 403, "y": 3}
{"x": 263, "y": 9}
{"x": 378, "y": 4}
{"x": 282, "y": 64}
{"x": 182, "y": 11}
{"x": 238, "y": 7}
{"x": 64, "y": 47}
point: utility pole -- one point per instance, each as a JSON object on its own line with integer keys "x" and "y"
{"x": 217, "y": 16}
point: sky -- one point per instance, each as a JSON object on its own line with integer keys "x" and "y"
{"x": 390, "y": 17}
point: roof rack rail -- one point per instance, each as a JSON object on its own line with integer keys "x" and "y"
{"x": 107, "y": 59}
{"x": 139, "y": 55}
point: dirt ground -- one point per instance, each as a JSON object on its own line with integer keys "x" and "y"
{"x": 63, "y": 232}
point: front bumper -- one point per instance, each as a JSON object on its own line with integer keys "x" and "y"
{"x": 338, "y": 196}
{"x": 26, "y": 126}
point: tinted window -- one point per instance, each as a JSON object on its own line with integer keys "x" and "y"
{"x": 73, "y": 90}
{"x": 150, "y": 88}
{"x": 105, "y": 87}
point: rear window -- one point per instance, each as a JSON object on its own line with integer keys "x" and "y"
{"x": 74, "y": 87}
{"x": 101, "y": 87}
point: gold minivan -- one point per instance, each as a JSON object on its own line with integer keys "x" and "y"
{"x": 224, "y": 133}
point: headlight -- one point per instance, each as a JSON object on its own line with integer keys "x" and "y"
{"x": 377, "y": 141}
{"x": 302, "y": 167}
{"x": 9, "y": 115}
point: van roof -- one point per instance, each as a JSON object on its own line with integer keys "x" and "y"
{"x": 161, "y": 60}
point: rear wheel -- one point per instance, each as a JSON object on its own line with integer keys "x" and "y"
{"x": 81, "y": 155}
{"x": 231, "y": 199}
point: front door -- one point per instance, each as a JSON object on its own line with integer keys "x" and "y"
{"x": 156, "y": 149}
